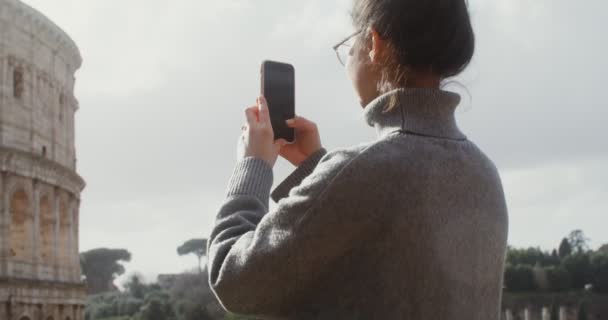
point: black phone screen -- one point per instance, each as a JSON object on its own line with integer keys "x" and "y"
{"x": 278, "y": 87}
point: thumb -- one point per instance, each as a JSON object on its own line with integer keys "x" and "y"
{"x": 299, "y": 122}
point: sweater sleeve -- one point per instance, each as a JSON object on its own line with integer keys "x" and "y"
{"x": 296, "y": 177}
{"x": 260, "y": 262}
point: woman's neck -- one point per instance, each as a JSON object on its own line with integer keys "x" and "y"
{"x": 423, "y": 80}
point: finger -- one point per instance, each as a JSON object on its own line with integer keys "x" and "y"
{"x": 254, "y": 110}
{"x": 278, "y": 144}
{"x": 282, "y": 142}
{"x": 251, "y": 116}
{"x": 263, "y": 109}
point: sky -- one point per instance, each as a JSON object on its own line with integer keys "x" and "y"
{"x": 164, "y": 84}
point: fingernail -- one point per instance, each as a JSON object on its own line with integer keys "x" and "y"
{"x": 290, "y": 121}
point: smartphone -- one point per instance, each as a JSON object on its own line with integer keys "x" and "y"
{"x": 278, "y": 87}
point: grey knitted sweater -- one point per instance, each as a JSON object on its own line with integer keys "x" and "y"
{"x": 411, "y": 225}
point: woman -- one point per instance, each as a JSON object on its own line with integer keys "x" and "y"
{"x": 412, "y": 225}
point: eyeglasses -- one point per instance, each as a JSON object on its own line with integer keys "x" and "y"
{"x": 344, "y": 48}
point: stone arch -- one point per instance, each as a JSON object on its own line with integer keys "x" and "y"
{"x": 65, "y": 223}
{"x": 24, "y": 318}
{"x": 15, "y": 183}
{"x": 18, "y": 82}
{"x": 47, "y": 230}
{"x": 21, "y": 227}
{"x": 50, "y": 318}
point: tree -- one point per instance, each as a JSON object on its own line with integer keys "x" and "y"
{"x": 157, "y": 306}
{"x": 599, "y": 271}
{"x": 101, "y": 266}
{"x": 135, "y": 286}
{"x": 111, "y": 304}
{"x": 198, "y": 247}
{"x": 519, "y": 278}
{"x": 196, "y": 312}
{"x": 578, "y": 241}
{"x": 565, "y": 248}
{"x": 530, "y": 256}
{"x": 553, "y": 259}
{"x": 603, "y": 249}
{"x": 558, "y": 278}
{"x": 579, "y": 267}
{"x": 194, "y": 297}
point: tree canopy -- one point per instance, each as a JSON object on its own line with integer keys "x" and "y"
{"x": 571, "y": 267}
{"x": 564, "y": 248}
{"x": 101, "y": 266}
{"x": 578, "y": 241}
{"x": 198, "y": 247}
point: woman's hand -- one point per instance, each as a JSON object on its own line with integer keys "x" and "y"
{"x": 307, "y": 141}
{"x": 257, "y": 138}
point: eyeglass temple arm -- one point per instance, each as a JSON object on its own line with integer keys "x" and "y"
{"x": 346, "y": 39}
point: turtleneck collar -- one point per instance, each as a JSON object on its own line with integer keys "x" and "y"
{"x": 419, "y": 111}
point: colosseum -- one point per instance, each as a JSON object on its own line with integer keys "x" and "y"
{"x": 40, "y": 276}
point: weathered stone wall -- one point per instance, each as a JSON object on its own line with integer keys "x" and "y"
{"x": 40, "y": 230}
{"x": 41, "y": 300}
{"x": 37, "y": 103}
{"x": 40, "y": 276}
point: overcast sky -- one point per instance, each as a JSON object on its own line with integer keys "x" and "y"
{"x": 164, "y": 84}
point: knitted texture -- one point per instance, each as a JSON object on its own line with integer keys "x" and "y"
{"x": 411, "y": 225}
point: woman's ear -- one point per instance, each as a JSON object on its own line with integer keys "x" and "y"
{"x": 378, "y": 46}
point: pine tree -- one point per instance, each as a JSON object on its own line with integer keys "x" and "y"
{"x": 565, "y": 248}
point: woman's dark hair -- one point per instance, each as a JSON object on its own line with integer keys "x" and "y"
{"x": 425, "y": 35}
